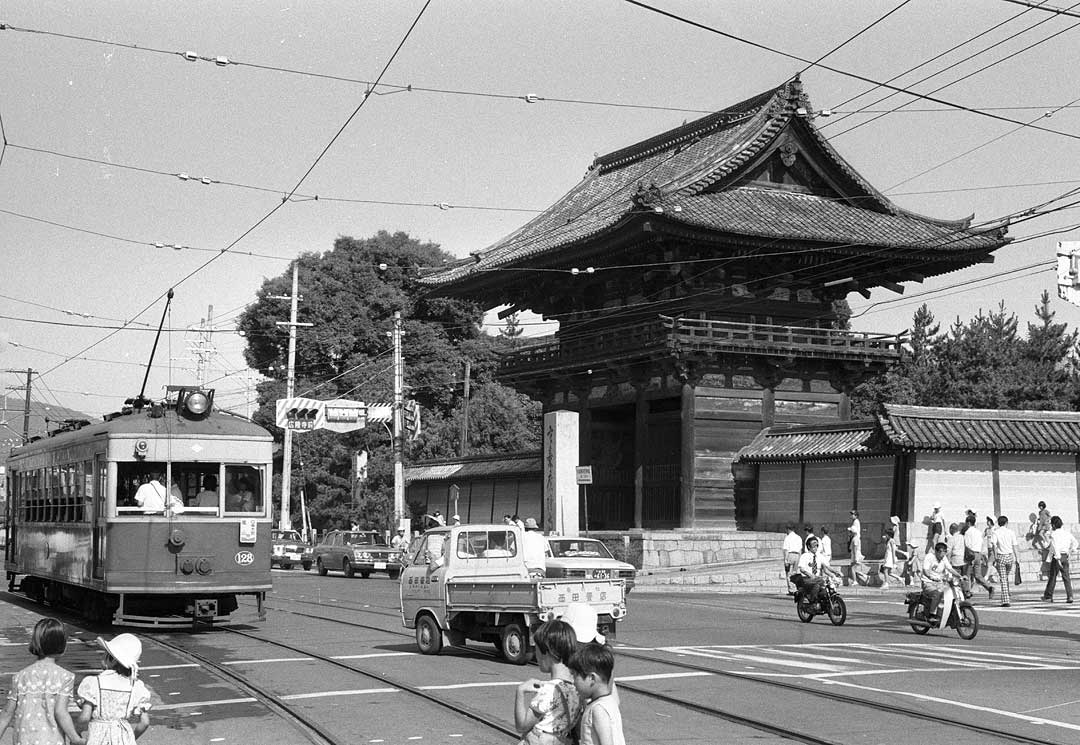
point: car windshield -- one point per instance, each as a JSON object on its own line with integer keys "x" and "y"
{"x": 568, "y": 547}
{"x": 362, "y": 539}
{"x": 284, "y": 535}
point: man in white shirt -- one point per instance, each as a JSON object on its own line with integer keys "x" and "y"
{"x": 1004, "y": 544}
{"x": 534, "y": 547}
{"x": 936, "y": 567}
{"x": 812, "y": 570}
{"x": 151, "y": 496}
{"x": 399, "y": 541}
{"x": 793, "y": 546}
{"x": 975, "y": 556}
{"x": 1060, "y": 544}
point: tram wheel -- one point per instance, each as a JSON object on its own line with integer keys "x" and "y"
{"x": 52, "y": 594}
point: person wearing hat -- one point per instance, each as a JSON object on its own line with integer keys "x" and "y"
{"x": 114, "y": 697}
{"x": 400, "y": 541}
{"x": 535, "y": 547}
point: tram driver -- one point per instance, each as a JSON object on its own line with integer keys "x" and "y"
{"x": 151, "y": 496}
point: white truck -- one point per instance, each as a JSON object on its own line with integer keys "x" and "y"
{"x": 470, "y": 582}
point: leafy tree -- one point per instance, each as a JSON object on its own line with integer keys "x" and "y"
{"x": 983, "y": 364}
{"x": 512, "y": 331}
{"x": 350, "y": 295}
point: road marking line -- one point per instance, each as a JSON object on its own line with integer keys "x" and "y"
{"x": 272, "y": 659}
{"x": 963, "y": 705}
{"x": 731, "y": 656}
{"x": 370, "y": 656}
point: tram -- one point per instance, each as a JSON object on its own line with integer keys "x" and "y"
{"x": 82, "y": 534}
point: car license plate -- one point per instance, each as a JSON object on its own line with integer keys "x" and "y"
{"x": 294, "y": 555}
{"x": 380, "y": 565}
{"x": 600, "y": 574}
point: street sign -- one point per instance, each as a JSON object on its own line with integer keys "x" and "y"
{"x": 309, "y": 414}
{"x": 583, "y": 474}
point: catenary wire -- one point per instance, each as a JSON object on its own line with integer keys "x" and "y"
{"x": 846, "y": 73}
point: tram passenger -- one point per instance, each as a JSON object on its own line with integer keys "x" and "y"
{"x": 242, "y": 500}
{"x": 208, "y": 497}
{"x": 151, "y": 496}
{"x": 176, "y": 498}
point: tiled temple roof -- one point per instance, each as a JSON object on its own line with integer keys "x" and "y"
{"x": 809, "y": 442}
{"x": 690, "y": 176}
{"x": 920, "y": 428}
{"x": 497, "y": 466}
{"x": 927, "y": 427}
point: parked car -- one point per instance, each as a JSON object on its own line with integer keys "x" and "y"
{"x": 586, "y": 558}
{"x": 289, "y": 549}
{"x": 356, "y": 552}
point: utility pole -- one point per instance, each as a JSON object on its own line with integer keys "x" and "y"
{"x": 285, "y": 521}
{"x": 26, "y": 405}
{"x": 463, "y": 448}
{"x": 399, "y": 428}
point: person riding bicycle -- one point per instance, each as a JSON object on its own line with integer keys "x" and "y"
{"x": 935, "y": 568}
{"x": 813, "y": 568}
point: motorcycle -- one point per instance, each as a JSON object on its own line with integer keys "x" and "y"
{"x": 828, "y": 603}
{"x": 954, "y": 608}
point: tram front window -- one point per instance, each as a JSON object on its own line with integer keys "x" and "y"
{"x": 244, "y": 489}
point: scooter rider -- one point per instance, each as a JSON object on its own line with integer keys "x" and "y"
{"x": 813, "y": 568}
{"x": 935, "y": 568}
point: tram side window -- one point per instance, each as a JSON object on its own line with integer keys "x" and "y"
{"x": 129, "y": 477}
{"x": 243, "y": 489}
{"x": 198, "y": 486}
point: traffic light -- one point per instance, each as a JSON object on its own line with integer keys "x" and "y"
{"x": 412, "y": 419}
{"x": 300, "y": 418}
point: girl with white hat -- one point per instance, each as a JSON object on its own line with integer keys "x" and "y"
{"x": 115, "y": 697}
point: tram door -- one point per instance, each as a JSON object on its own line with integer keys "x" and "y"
{"x": 97, "y": 516}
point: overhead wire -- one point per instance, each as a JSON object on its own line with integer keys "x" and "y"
{"x": 840, "y": 71}
{"x": 276, "y": 207}
{"x": 969, "y": 75}
{"x": 922, "y": 64}
{"x": 853, "y": 37}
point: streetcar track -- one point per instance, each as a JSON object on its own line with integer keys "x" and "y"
{"x": 456, "y": 707}
{"x": 758, "y": 724}
{"x": 314, "y": 733}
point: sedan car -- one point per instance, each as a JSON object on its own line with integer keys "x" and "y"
{"x": 356, "y": 552}
{"x": 585, "y": 558}
{"x": 288, "y": 548}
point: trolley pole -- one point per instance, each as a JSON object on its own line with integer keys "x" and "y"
{"x": 285, "y": 522}
{"x": 26, "y": 407}
{"x": 399, "y": 424}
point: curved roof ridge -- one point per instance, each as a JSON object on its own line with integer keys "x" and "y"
{"x": 938, "y": 412}
{"x": 695, "y": 129}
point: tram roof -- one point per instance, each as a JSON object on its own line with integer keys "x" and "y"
{"x": 142, "y": 424}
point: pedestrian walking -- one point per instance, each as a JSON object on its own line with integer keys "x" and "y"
{"x": 1041, "y": 538}
{"x": 826, "y": 543}
{"x": 37, "y": 703}
{"x": 956, "y": 548}
{"x": 792, "y": 550}
{"x": 1061, "y": 543}
{"x": 975, "y": 556}
{"x": 1004, "y": 542}
{"x": 855, "y": 547}
{"x": 935, "y": 530}
{"x": 115, "y": 696}
{"x": 892, "y": 554}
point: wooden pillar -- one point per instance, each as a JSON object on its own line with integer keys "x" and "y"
{"x": 641, "y": 443}
{"x": 686, "y": 466}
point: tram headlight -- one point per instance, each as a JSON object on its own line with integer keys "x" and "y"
{"x": 194, "y": 403}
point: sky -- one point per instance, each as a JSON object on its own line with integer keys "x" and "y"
{"x": 487, "y": 112}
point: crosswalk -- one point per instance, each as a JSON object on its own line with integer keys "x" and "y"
{"x": 828, "y": 660}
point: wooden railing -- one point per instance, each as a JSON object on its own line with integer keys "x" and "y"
{"x": 668, "y": 336}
